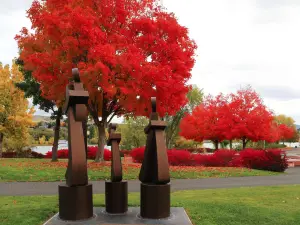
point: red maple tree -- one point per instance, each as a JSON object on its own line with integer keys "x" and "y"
{"x": 127, "y": 51}
{"x": 208, "y": 121}
{"x": 237, "y": 116}
{"x": 273, "y": 134}
{"x": 285, "y": 132}
{"x": 250, "y": 117}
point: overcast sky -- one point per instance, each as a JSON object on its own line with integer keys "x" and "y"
{"x": 240, "y": 42}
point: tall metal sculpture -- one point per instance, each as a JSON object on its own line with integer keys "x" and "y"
{"x": 76, "y": 197}
{"x": 154, "y": 174}
{"x": 116, "y": 190}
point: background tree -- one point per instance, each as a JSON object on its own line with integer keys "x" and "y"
{"x": 127, "y": 51}
{"x": 288, "y": 128}
{"x": 286, "y": 132}
{"x": 208, "y": 121}
{"x": 32, "y": 90}
{"x": 132, "y": 130}
{"x": 195, "y": 97}
{"x": 15, "y": 117}
{"x": 287, "y": 120}
{"x": 250, "y": 118}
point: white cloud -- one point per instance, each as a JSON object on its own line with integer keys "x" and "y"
{"x": 240, "y": 42}
{"x": 246, "y": 42}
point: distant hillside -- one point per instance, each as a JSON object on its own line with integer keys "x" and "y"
{"x": 297, "y": 126}
{"x": 38, "y": 118}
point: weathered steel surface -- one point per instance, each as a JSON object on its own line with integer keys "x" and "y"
{"x": 116, "y": 197}
{"x": 75, "y": 108}
{"x": 76, "y": 197}
{"x": 155, "y": 167}
{"x": 116, "y": 165}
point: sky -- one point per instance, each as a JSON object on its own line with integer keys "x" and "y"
{"x": 240, "y": 43}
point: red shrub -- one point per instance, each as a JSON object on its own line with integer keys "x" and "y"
{"x": 272, "y": 159}
{"x": 9, "y": 154}
{"x": 92, "y": 150}
{"x": 201, "y": 160}
{"x": 175, "y": 157}
{"x": 220, "y": 158}
{"x": 37, "y": 155}
{"x": 23, "y": 154}
{"x": 137, "y": 154}
{"x": 224, "y": 156}
{"x": 179, "y": 158}
{"x": 91, "y": 153}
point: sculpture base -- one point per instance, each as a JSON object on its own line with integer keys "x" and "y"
{"x": 116, "y": 197}
{"x": 75, "y": 203}
{"x": 155, "y": 201}
{"x": 178, "y": 217}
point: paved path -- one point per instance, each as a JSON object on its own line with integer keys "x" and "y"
{"x": 292, "y": 176}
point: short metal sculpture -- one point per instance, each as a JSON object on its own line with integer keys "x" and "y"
{"x": 154, "y": 174}
{"x": 76, "y": 197}
{"x": 116, "y": 191}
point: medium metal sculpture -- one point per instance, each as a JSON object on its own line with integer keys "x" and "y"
{"x": 154, "y": 174}
{"x": 116, "y": 190}
{"x": 76, "y": 197}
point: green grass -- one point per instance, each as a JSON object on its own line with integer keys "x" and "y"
{"x": 279, "y": 205}
{"x": 44, "y": 170}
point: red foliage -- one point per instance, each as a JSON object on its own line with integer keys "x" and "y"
{"x": 272, "y": 159}
{"x": 250, "y": 118}
{"x": 273, "y": 135}
{"x": 255, "y": 159}
{"x": 237, "y": 116}
{"x": 224, "y": 157}
{"x": 179, "y": 158}
{"x": 91, "y": 154}
{"x": 286, "y": 132}
{"x": 92, "y": 150}
{"x": 123, "y": 48}
{"x": 23, "y": 154}
{"x": 220, "y": 158}
{"x": 208, "y": 121}
{"x": 137, "y": 154}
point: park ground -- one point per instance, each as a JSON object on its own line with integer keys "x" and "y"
{"x": 275, "y": 205}
{"x": 12, "y": 170}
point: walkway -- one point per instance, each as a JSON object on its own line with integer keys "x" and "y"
{"x": 51, "y": 188}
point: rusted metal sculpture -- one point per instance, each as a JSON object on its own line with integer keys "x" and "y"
{"x": 116, "y": 190}
{"x": 154, "y": 174}
{"x": 75, "y": 198}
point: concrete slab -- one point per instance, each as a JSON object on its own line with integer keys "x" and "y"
{"x": 178, "y": 217}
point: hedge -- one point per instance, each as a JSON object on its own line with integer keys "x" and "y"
{"x": 91, "y": 153}
{"x": 23, "y": 154}
{"x": 271, "y": 159}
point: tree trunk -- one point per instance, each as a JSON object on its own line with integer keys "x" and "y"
{"x": 244, "y": 143}
{"x": 1, "y": 143}
{"x": 216, "y": 143}
{"x": 230, "y": 144}
{"x": 101, "y": 142}
{"x": 56, "y": 135}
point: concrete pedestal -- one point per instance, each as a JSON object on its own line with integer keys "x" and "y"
{"x": 178, "y": 216}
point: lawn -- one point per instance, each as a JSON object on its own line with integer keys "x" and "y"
{"x": 278, "y": 205}
{"x": 44, "y": 170}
